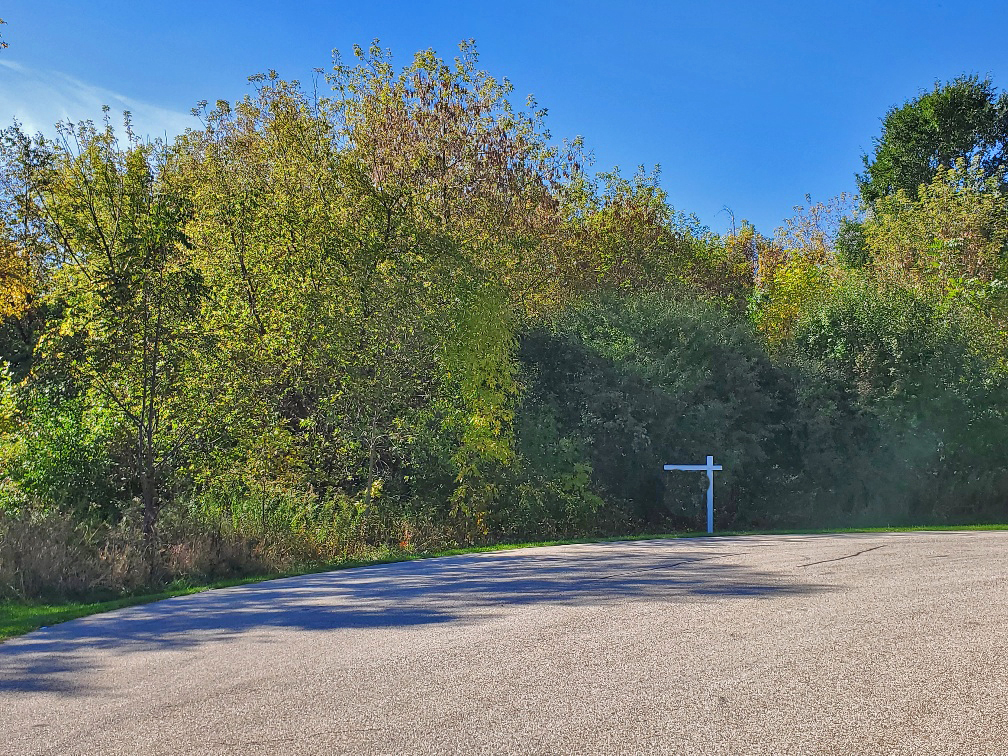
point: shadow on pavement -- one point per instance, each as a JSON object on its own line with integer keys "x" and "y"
{"x": 425, "y": 592}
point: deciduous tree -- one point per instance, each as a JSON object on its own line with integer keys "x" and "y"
{"x": 964, "y": 119}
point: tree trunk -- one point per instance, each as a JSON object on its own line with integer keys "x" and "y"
{"x": 371, "y": 474}
{"x": 148, "y": 492}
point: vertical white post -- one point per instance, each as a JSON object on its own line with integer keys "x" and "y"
{"x": 710, "y": 494}
{"x": 710, "y": 467}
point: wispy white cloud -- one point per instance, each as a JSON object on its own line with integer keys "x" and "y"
{"x": 38, "y": 99}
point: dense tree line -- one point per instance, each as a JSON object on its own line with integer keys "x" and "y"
{"x": 401, "y": 316}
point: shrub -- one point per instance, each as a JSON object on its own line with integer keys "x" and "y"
{"x": 639, "y": 382}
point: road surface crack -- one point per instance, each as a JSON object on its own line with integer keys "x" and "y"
{"x": 845, "y": 556}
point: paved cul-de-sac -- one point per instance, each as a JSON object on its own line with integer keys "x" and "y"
{"x": 891, "y": 643}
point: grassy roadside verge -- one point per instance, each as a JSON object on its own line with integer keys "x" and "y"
{"x": 17, "y": 618}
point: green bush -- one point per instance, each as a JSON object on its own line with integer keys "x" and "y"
{"x": 639, "y": 382}
{"x": 64, "y": 453}
{"x": 904, "y": 420}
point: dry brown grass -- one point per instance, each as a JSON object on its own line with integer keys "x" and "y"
{"x": 48, "y": 553}
{"x": 51, "y": 554}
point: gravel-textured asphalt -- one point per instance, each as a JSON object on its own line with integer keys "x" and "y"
{"x": 824, "y": 644}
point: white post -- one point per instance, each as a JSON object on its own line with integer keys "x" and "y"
{"x": 710, "y": 494}
{"x": 710, "y": 467}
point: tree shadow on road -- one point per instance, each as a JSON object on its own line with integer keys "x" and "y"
{"x": 469, "y": 588}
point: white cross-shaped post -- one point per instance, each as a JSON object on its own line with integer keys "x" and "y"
{"x": 710, "y": 467}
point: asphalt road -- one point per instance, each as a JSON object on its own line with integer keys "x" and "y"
{"x": 839, "y": 644}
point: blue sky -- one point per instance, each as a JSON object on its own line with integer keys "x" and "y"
{"x": 748, "y": 105}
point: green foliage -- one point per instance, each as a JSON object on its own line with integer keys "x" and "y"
{"x": 790, "y": 291}
{"x": 961, "y": 120}
{"x": 61, "y": 453}
{"x": 904, "y": 415}
{"x": 400, "y": 317}
{"x": 648, "y": 380}
{"x": 619, "y": 234}
{"x": 549, "y": 491}
{"x": 361, "y": 304}
{"x": 851, "y": 246}
{"x": 952, "y": 239}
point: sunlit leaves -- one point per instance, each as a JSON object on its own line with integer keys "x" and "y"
{"x": 964, "y": 119}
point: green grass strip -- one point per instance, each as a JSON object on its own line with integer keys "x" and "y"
{"x": 17, "y": 617}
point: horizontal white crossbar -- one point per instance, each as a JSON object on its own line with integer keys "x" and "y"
{"x": 709, "y": 468}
